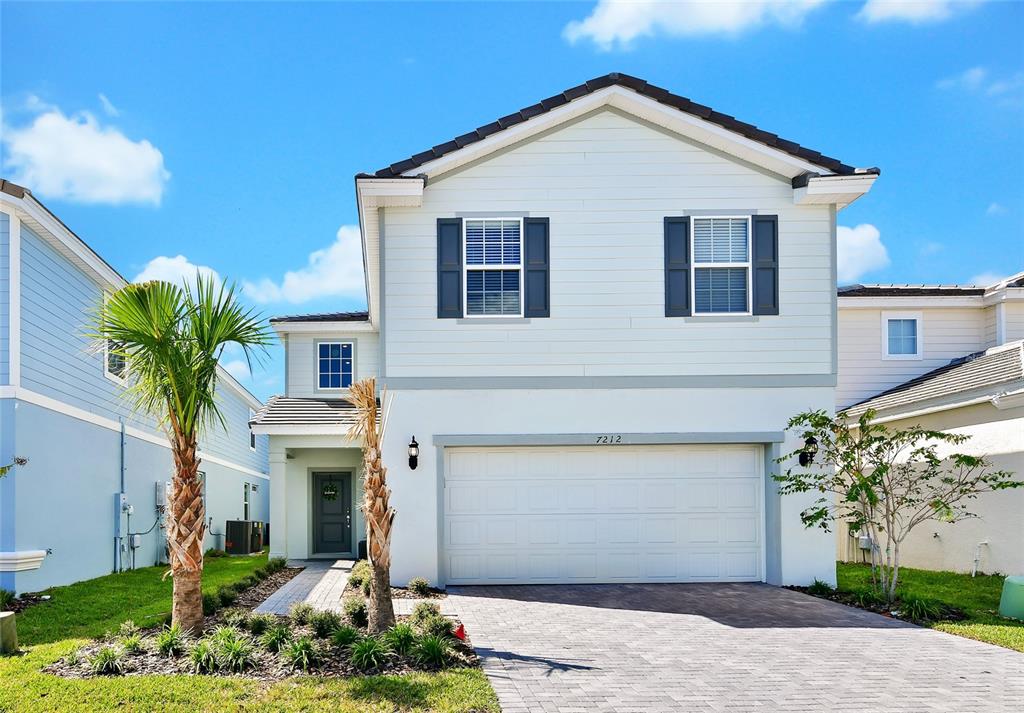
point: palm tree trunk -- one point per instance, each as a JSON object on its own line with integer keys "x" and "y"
{"x": 186, "y": 528}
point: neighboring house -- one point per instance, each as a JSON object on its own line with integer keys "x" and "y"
{"x": 595, "y": 316}
{"x": 951, "y": 359}
{"x": 62, "y": 408}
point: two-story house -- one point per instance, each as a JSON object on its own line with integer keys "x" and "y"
{"x": 947, "y": 358}
{"x": 91, "y": 497}
{"x": 595, "y": 316}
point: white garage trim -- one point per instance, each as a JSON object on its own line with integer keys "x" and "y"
{"x": 763, "y": 446}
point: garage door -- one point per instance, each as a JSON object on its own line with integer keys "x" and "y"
{"x": 603, "y": 514}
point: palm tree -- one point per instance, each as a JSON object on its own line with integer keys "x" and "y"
{"x": 170, "y": 339}
{"x": 376, "y": 506}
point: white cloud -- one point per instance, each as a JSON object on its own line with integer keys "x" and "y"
{"x": 334, "y": 271}
{"x": 618, "y": 22}
{"x": 979, "y": 80}
{"x": 971, "y": 79}
{"x": 108, "y": 106}
{"x": 913, "y": 11}
{"x": 79, "y": 159}
{"x": 860, "y": 250}
{"x": 931, "y": 248}
{"x": 987, "y": 278}
{"x": 177, "y": 270}
{"x": 237, "y": 368}
{"x": 995, "y": 209}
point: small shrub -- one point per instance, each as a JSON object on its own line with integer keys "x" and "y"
{"x": 214, "y": 553}
{"x": 360, "y": 572}
{"x": 170, "y": 641}
{"x": 203, "y": 657}
{"x": 259, "y": 623}
{"x": 236, "y": 617}
{"x": 424, "y": 611}
{"x": 438, "y": 626}
{"x": 276, "y": 564}
{"x": 369, "y": 653}
{"x": 401, "y": 638}
{"x": 344, "y": 636}
{"x": 920, "y": 609}
{"x": 419, "y": 586}
{"x": 227, "y": 595}
{"x": 355, "y": 612}
{"x": 211, "y": 603}
{"x": 432, "y": 651}
{"x": 225, "y": 634}
{"x": 6, "y": 599}
{"x": 323, "y": 623}
{"x": 108, "y": 661}
{"x": 131, "y": 644}
{"x": 820, "y": 589}
{"x": 262, "y": 573}
{"x": 128, "y": 628}
{"x": 236, "y": 654}
{"x": 300, "y": 612}
{"x": 365, "y": 588}
{"x": 276, "y": 637}
{"x": 302, "y": 654}
{"x": 73, "y": 658}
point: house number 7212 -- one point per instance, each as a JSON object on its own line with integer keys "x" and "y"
{"x": 607, "y": 440}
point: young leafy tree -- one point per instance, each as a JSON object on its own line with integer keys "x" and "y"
{"x": 885, "y": 483}
{"x": 380, "y": 516}
{"x": 171, "y": 339}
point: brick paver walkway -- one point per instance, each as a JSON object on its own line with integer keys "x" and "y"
{"x": 320, "y": 584}
{"x": 721, "y": 647}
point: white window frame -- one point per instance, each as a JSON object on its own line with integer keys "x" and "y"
{"x": 252, "y": 415}
{"x": 917, "y": 317}
{"x": 246, "y": 496}
{"x": 121, "y": 379}
{"x": 466, "y": 269}
{"x": 694, "y": 265}
{"x": 316, "y": 364}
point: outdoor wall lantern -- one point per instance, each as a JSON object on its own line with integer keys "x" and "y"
{"x": 809, "y": 450}
{"x": 414, "y": 453}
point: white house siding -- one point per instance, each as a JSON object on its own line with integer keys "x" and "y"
{"x": 991, "y": 329}
{"x": 302, "y": 362}
{"x": 1014, "y": 319}
{"x": 998, "y": 435}
{"x": 606, "y": 183}
{"x": 416, "y": 494}
{"x": 5, "y": 297}
{"x": 863, "y": 372}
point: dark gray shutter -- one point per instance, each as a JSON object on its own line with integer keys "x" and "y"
{"x": 765, "y": 264}
{"x": 449, "y": 268}
{"x": 677, "y": 267}
{"x": 537, "y": 267}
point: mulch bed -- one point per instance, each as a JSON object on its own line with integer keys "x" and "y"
{"x": 254, "y": 596}
{"x": 402, "y": 593}
{"x": 850, "y": 599}
{"x": 25, "y": 601}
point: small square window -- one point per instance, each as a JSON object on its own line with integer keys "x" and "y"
{"x": 901, "y": 335}
{"x": 334, "y": 365}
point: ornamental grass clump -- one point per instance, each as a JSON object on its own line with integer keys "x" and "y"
{"x": 203, "y": 657}
{"x": 432, "y": 651}
{"x": 260, "y": 623}
{"x": 276, "y": 637}
{"x": 108, "y": 661}
{"x": 401, "y": 638}
{"x": 171, "y": 641}
{"x": 344, "y": 636}
{"x": 323, "y": 623}
{"x": 131, "y": 644}
{"x": 369, "y": 654}
{"x": 300, "y": 612}
{"x": 236, "y": 655}
{"x": 302, "y": 654}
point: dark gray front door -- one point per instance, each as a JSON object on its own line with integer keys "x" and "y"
{"x": 332, "y": 512}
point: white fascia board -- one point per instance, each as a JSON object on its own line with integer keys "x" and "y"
{"x": 841, "y": 190}
{"x": 287, "y": 429}
{"x": 629, "y": 101}
{"x": 1011, "y": 399}
{"x": 21, "y": 561}
{"x": 1007, "y": 395}
{"x": 33, "y": 212}
{"x": 385, "y": 192}
{"x": 1004, "y": 294}
{"x": 915, "y": 302}
{"x": 283, "y": 328}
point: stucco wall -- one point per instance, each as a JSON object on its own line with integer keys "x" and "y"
{"x": 999, "y": 435}
{"x": 65, "y": 496}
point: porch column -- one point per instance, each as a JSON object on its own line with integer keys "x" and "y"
{"x": 278, "y": 501}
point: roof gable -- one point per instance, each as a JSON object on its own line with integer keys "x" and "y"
{"x": 635, "y": 96}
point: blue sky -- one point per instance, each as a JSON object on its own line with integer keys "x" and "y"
{"x": 228, "y": 134}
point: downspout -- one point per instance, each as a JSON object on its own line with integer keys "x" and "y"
{"x": 119, "y": 501}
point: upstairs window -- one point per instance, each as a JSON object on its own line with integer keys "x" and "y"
{"x": 334, "y": 365}
{"x": 493, "y": 264}
{"x": 252, "y": 436}
{"x": 246, "y": 490}
{"x": 901, "y": 334}
{"x": 721, "y": 265}
{"x": 114, "y": 364}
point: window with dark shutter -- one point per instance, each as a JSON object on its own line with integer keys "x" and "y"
{"x": 765, "y": 264}
{"x": 537, "y": 267}
{"x": 677, "y": 267}
{"x": 449, "y": 268}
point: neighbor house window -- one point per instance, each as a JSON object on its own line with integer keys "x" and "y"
{"x": 721, "y": 265}
{"x": 493, "y": 264}
{"x": 114, "y": 364}
{"x": 334, "y": 365}
{"x": 252, "y": 436}
{"x": 246, "y": 490}
{"x": 901, "y": 334}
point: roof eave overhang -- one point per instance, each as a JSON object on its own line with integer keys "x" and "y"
{"x": 911, "y": 302}
{"x": 373, "y": 193}
{"x": 298, "y": 429}
{"x": 838, "y": 190}
{"x": 283, "y": 328}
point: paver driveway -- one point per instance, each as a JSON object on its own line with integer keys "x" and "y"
{"x": 721, "y": 647}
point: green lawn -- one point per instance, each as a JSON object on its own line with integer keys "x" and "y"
{"x": 87, "y": 609}
{"x": 977, "y": 596}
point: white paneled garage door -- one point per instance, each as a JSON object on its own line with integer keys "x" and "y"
{"x": 603, "y": 514}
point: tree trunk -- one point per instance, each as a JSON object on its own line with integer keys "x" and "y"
{"x": 382, "y": 611}
{"x": 186, "y": 527}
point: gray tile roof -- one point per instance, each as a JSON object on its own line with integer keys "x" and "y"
{"x": 969, "y": 373}
{"x": 288, "y": 411}
{"x": 323, "y": 317}
{"x": 909, "y": 290}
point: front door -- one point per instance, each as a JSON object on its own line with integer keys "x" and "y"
{"x": 332, "y": 513}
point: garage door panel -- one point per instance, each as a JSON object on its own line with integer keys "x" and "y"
{"x": 687, "y": 513}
